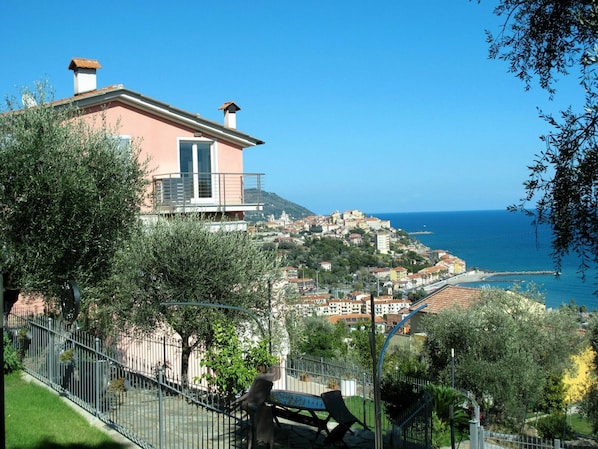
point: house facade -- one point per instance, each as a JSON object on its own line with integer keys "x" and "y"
{"x": 195, "y": 165}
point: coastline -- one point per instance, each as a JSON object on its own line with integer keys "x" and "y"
{"x": 476, "y": 275}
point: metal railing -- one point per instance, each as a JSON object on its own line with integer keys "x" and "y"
{"x": 207, "y": 192}
{"x": 137, "y": 394}
{"x": 149, "y": 410}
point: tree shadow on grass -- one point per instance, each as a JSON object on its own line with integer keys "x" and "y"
{"x": 46, "y": 444}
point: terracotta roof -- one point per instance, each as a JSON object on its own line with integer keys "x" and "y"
{"x": 84, "y": 63}
{"x": 449, "y": 296}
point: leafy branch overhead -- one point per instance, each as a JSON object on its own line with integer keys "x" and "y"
{"x": 543, "y": 40}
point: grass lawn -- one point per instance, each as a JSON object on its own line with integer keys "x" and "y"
{"x": 355, "y": 404}
{"x": 37, "y": 418}
{"x": 580, "y": 424}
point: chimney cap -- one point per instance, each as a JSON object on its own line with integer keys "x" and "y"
{"x": 230, "y": 106}
{"x": 84, "y": 63}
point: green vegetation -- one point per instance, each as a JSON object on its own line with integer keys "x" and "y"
{"x": 12, "y": 361}
{"x": 56, "y": 425}
{"x": 234, "y": 365}
{"x": 181, "y": 259}
{"x": 273, "y": 205}
{"x": 543, "y": 41}
{"x": 349, "y": 262}
{"x": 70, "y": 195}
{"x": 504, "y": 337}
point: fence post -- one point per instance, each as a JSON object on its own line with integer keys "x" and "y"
{"x": 481, "y": 440}
{"x": 364, "y": 396}
{"x": 97, "y": 376}
{"x": 473, "y": 434}
{"x": 52, "y": 358}
{"x": 160, "y": 407}
{"x": 557, "y": 443}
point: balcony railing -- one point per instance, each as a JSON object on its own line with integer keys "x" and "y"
{"x": 207, "y": 192}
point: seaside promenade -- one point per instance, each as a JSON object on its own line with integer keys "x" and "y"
{"x": 480, "y": 276}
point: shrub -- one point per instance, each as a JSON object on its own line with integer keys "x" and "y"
{"x": 233, "y": 365}
{"x": 11, "y": 358}
{"x": 397, "y": 396}
{"x": 555, "y": 426}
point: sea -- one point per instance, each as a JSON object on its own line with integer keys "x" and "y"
{"x": 501, "y": 241}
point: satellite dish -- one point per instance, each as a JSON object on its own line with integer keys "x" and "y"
{"x": 28, "y": 100}
{"x": 70, "y": 299}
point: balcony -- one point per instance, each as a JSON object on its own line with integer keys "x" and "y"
{"x": 225, "y": 193}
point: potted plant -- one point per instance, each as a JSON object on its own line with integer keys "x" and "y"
{"x": 116, "y": 391}
{"x": 332, "y": 383}
{"x": 67, "y": 362}
{"x": 304, "y": 377}
{"x": 67, "y": 356}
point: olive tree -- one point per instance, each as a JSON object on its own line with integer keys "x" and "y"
{"x": 542, "y": 40}
{"x": 184, "y": 259}
{"x": 69, "y": 195}
{"x": 506, "y": 347}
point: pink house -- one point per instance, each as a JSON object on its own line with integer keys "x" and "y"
{"x": 196, "y": 165}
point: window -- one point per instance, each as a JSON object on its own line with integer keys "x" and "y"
{"x": 196, "y": 161}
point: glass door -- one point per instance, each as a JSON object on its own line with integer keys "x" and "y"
{"x": 195, "y": 159}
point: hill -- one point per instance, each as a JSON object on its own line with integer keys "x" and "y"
{"x": 273, "y": 205}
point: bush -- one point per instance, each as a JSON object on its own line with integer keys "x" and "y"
{"x": 397, "y": 396}
{"x": 233, "y": 365}
{"x": 11, "y": 358}
{"x": 555, "y": 426}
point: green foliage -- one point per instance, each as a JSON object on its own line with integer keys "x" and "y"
{"x": 554, "y": 395}
{"x": 406, "y": 360}
{"x": 555, "y": 426}
{"x": 397, "y": 396}
{"x": 11, "y": 358}
{"x": 322, "y": 339}
{"x": 504, "y": 348}
{"x": 441, "y": 432}
{"x": 543, "y": 40}
{"x": 182, "y": 260}
{"x": 69, "y": 196}
{"x": 360, "y": 347}
{"x": 232, "y": 365}
{"x": 444, "y": 397}
{"x": 589, "y": 406}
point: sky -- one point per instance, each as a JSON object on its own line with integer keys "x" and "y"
{"x": 380, "y": 106}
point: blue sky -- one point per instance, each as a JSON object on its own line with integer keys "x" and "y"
{"x": 382, "y": 106}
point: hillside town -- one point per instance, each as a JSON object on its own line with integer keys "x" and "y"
{"x": 394, "y": 286}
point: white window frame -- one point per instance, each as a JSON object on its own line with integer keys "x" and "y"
{"x": 196, "y": 199}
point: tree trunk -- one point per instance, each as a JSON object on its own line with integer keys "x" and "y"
{"x": 185, "y": 354}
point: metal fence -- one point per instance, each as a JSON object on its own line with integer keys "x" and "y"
{"x": 151, "y": 411}
{"x": 481, "y": 438}
{"x": 134, "y": 386}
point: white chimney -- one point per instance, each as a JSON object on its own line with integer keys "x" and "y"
{"x": 85, "y": 74}
{"x": 230, "y": 114}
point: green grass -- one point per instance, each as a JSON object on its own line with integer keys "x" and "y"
{"x": 356, "y": 405}
{"x": 580, "y": 424}
{"x": 37, "y": 418}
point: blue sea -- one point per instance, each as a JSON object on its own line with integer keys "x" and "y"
{"x": 499, "y": 240}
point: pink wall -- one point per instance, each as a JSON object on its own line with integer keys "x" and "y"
{"x": 158, "y": 138}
